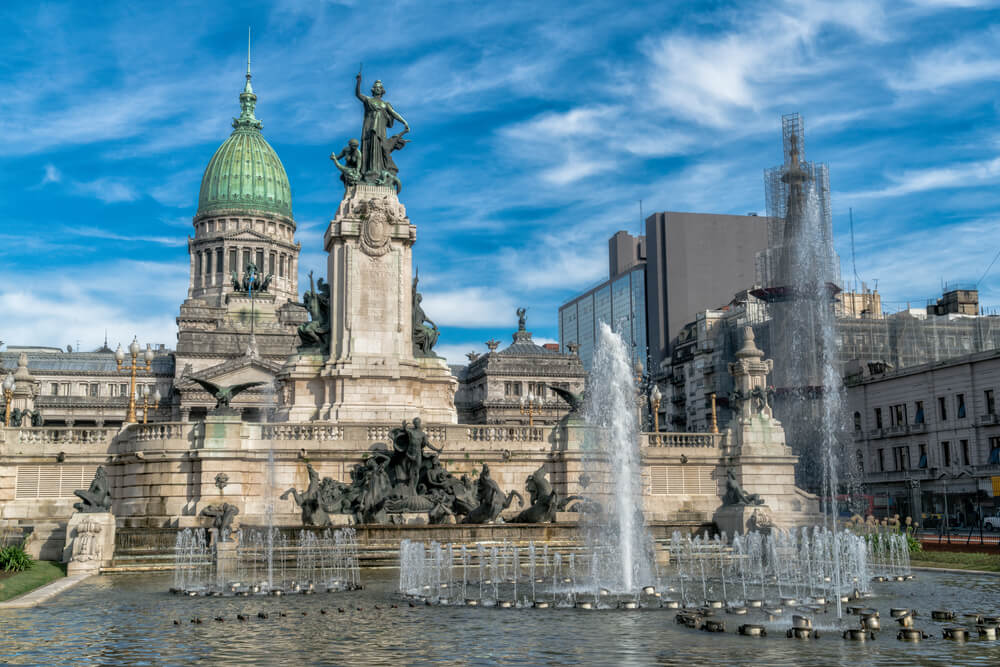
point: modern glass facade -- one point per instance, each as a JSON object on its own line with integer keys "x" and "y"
{"x": 621, "y": 303}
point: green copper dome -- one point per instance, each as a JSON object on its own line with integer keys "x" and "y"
{"x": 245, "y": 172}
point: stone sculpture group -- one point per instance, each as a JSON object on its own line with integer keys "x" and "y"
{"x": 407, "y": 477}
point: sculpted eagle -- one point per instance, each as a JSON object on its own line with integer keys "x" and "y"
{"x": 223, "y": 395}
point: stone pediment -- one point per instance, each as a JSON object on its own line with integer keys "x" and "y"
{"x": 247, "y": 235}
{"x": 234, "y": 371}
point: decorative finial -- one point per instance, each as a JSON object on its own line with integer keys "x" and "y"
{"x": 248, "y": 101}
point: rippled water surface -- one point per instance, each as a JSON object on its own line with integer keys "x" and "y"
{"x": 129, "y": 619}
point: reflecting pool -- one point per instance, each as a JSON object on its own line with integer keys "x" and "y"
{"x": 129, "y": 619}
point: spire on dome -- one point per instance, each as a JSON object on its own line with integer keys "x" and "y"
{"x": 248, "y": 101}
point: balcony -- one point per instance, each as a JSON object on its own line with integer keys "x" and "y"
{"x": 917, "y": 428}
{"x": 677, "y": 378}
{"x": 987, "y": 420}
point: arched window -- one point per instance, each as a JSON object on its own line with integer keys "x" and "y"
{"x": 857, "y": 421}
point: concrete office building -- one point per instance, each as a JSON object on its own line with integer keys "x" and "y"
{"x": 695, "y": 261}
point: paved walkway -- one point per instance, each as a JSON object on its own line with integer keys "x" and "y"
{"x": 43, "y": 593}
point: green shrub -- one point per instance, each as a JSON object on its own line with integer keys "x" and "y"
{"x": 14, "y": 558}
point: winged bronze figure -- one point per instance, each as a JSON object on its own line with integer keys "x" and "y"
{"x": 223, "y": 395}
{"x": 575, "y": 400}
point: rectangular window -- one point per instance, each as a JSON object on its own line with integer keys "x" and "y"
{"x": 208, "y": 261}
{"x": 960, "y": 405}
{"x": 281, "y": 266}
{"x": 260, "y": 260}
{"x": 918, "y": 418}
{"x": 881, "y": 460}
{"x": 942, "y": 408}
{"x": 123, "y": 390}
{"x": 64, "y": 389}
{"x": 899, "y": 415}
{"x": 246, "y": 260}
{"x": 54, "y": 389}
{"x": 945, "y": 454}
{"x": 93, "y": 390}
{"x": 218, "y": 260}
{"x": 507, "y": 390}
{"x": 991, "y": 406}
{"x": 270, "y": 262}
{"x": 901, "y": 457}
{"x": 232, "y": 260}
{"x": 197, "y": 264}
{"x": 517, "y": 388}
{"x": 878, "y": 417}
{"x": 965, "y": 452}
{"x": 923, "y": 457}
{"x": 994, "y": 458}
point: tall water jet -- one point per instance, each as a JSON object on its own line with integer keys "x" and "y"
{"x": 801, "y": 271}
{"x": 619, "y": 539}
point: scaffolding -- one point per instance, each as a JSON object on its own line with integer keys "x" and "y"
{"x": 776, "y": 193}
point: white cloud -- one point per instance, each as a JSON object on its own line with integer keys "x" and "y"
{"x": 469, "y": 307}
{"x": 971, "y": 59}
{"x": 971, "y": 174}
{"x": 707, "y": 79}
{"x": 52, "y": 175}
{"x": 108, "y": 190}
{"x": 551, "y": 263}
{"x": 94, "y": 232}
{"x": 124, "y": 297}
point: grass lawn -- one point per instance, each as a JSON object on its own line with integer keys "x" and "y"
{"x": 957, "y": 561}
{"x": 40, "y": 573}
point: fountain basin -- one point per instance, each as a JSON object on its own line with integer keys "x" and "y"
{"x": 751, "y": 630}
{"x": 801, "y": 633}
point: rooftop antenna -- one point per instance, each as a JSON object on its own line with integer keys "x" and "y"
{"x": 248, "y": 53}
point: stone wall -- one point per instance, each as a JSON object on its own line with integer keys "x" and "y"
{"x": 163, "y": 475}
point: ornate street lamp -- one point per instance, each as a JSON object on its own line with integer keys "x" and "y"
{"x": 145, "y": 401}
{"x": 133, "y": 350}
{"x": 654, "y": 399}
{"x": 8, "y": 395}
{"x": 531, "y": 405}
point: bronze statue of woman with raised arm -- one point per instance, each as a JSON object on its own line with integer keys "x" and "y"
{"x": 375, "y": 147}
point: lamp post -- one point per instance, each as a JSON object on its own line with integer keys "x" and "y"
{"x": 639, "y": 398}
{"x": 531, "y": 405}
{"x": 145, "y": 401}
{"x": 715, "y": 422}
{"x": 8, "y": 396}
{"x": 134, "y": 350}
{"x": 654, "y": 400}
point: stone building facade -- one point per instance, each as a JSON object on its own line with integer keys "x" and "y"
{"x": 926, "y": 439}
{"x": 85, "y": 388}
{"x": 494, "y": 388}
{"x": 231, "y": 329}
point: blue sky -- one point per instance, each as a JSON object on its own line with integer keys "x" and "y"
{"x": 537, "y": 127}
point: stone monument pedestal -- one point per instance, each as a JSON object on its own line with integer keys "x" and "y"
{"x": 90, "y": 542}
{"x": 222, "y": 426}
{"x": 739, "y": 519}
{"x": 376, "y": 368}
